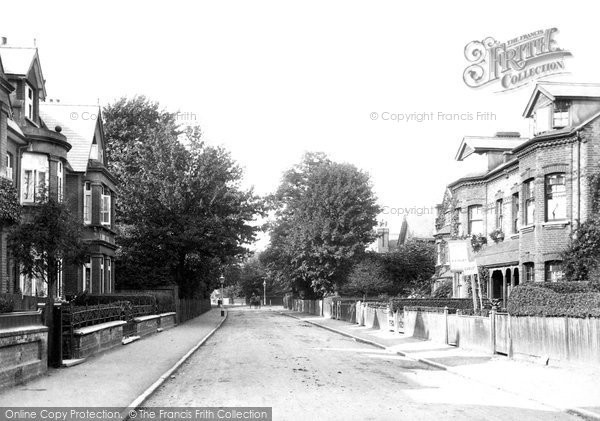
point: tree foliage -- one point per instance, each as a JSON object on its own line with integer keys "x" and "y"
{"x": 581, "y": 259}
{"x": 325, "y": 214}
{"x": 411, "y": 267}
{"x": 368, "y": 277}
{"x": 10, "y": 208}
{"x": 182, "y": 213}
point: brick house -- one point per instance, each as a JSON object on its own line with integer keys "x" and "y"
{"x": 90, "y": 191}
{"x": 529, "y": 195}
{"x": 41, "y": 150}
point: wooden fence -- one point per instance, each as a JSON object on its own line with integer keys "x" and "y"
{"x": 555, "y": 339}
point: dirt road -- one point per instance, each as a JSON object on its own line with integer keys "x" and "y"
{"x": 262, "y": 358}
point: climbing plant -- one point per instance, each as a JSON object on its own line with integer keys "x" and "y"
{"x": 581, "y": 259}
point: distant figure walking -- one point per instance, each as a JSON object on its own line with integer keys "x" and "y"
{"x": 255, "y": 301}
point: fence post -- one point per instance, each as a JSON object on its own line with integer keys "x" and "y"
{"x": 509, "y": 336}
{"x": 493, "y": 330}
{"x": 446, "y": 324}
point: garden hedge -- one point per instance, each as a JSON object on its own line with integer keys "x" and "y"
{"x": 451, "y": 303}
{"x": 134, "y": 299}
{"x": 550, "y": 299}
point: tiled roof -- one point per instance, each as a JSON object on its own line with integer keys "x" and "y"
{"x": 17, "y": 60}
{"x": 474, "y": 144}
{"x": 497, "y": 254}
{"x": 554, "y": 90}
{"x": 78, "y": 130}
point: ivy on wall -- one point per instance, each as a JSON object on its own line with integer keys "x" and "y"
{"x": 10, "y": 209}
{"x": 582, "y": 257}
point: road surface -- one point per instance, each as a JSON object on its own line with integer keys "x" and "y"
{"x": 263, "y": 358}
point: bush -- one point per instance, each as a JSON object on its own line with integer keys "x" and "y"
{"x": 542, "y": 300}
{"x": 134, "y": 299}
{"x": 6, "y": 305}
{"x": 567, "y": 287}
{"x": 444, "y": 289}
{"x": 451, "y": 303}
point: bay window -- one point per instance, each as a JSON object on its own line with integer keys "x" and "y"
{"x": 34, "y": 176}
{"x": 529, "y": 272}
{"x": 475, "y": 214}
{"x": 105, "y": 206}
{"x": 529, "y": 197}
{"x": 515, "y": 213}
{"x": 499, "y": 214}
{"x": 9, "y": 165}
{"x": 556, "y": 197}
{"x": 87, "y": 203}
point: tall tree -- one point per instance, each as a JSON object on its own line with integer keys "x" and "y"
{"x": 183, "y": 214}
{"x": 324, "y": 221}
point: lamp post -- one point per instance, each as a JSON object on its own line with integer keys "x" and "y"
{"x": 222, "y": 279}
{"x": 265, "y": 292}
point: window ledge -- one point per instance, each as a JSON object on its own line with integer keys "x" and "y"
{"x": 514, "y": 236}
{"x": 556, "y": 224}
{"x": 32, "y": 122}
{"x": 527, "y": 228}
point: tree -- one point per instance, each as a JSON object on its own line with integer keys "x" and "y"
{"x": 48, "y": 239}
{"x": 183, "y": 215}
{"x": 581, "y": 259}
{"x": 411, "y": 267}
{"x": 325, "y": 214}
{"x": 368, "y": 277}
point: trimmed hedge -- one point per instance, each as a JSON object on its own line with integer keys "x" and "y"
{"x": 451, "y": 303}
{"x": 134, "y": 299}
{"x": 533, "y": 299}
{"x": 567, "y": 287}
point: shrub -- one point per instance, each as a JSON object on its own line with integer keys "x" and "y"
{"x": 6, "y": 305}
{"x": 444, "y": 289}
{"x": 543, "y": 299}
{"x": 451, "y": 303}
{"x": 134, "y": 299}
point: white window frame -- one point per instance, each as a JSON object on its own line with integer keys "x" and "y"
{"x": 87, "y": 202}
{"x": 475, "y": 217}
{"x": 105, "y": 206}
{"x": 85, "y": 283}
{"x": 102, "y": 275}
{"x": 9, "y": 165}
{"x": 59, "y": 181}
{"x": 109, "y": 274}
{"x": 29, "y": 101}
{"x": 37, "y": 167}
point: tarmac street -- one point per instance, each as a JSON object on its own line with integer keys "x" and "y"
{"x": 263, "y": 358}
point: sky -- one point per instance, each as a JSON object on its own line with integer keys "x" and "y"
{"x": 270, "y": 80}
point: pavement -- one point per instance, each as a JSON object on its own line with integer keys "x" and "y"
{"x": 122, "y": 377}
{"x": 575, "y": 390}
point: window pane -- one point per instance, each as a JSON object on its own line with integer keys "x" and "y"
{"x": 556, "y": 197}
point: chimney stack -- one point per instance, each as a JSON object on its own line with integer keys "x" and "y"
{"x": 3, "y": 41}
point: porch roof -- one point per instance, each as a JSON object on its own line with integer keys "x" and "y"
{"x": 499, "y": 254}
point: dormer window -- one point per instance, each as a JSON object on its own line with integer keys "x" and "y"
{"x": 29, "y": 101}
{"x": 560, "y": 117}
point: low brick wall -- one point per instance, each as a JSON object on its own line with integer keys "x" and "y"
{"x": 93, "y": 339}
{"x": 167, "y": 320}
{"x": 146, "y": 325}
{"x": 23, "y": 349}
